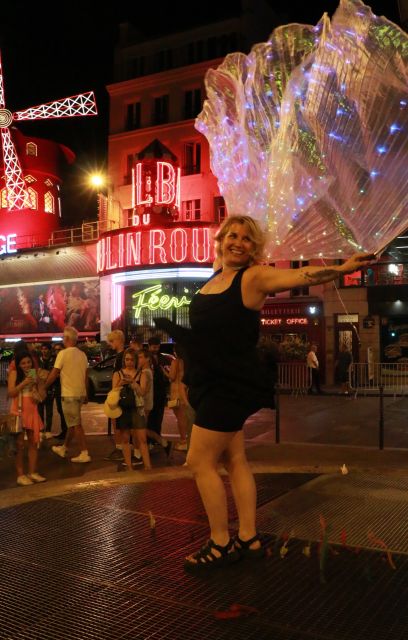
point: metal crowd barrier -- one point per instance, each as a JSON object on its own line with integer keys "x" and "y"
{"x": 390, "y": 377}
{"x": 4, "y": 366}
{"x": 295, "y": 377}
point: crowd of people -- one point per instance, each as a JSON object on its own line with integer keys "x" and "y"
{"x": 59, "y": 372}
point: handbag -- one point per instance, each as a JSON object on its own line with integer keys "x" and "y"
{"x": 38, "y": 392}
{"x": 11, "y": 423}
{"x": 175, "y": 402}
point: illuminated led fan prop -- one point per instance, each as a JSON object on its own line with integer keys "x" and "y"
{"x": 308, "y": 134}
{"x": 80, "y": 105}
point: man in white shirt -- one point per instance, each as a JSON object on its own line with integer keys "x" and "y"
{"x": 313, "y": 364}
{"x": 71, "y": 365}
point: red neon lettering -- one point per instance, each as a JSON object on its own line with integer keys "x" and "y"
{"x": 178, "y": 242}
{"x": 109, "y": 264}
{"x": 100, "y": 255}
{"x": 296, "y": 321}
{"x": 204, "y": 244}
{"x": 157, "y": 245}
{"x": 178, "y": 193}
{"x": 165, "y": 185}
{"x": 133, "y": 248}
{"x": 121, "y": 250}
{"x": 139, "y": 185}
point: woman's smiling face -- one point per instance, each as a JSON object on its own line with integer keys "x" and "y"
{"x": 237, "y": 247}
{"x": 26, "y": 364}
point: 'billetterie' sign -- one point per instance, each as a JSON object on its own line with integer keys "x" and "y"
{"x": 127, "y": 248}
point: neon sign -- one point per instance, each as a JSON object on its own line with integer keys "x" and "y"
{"x": 123, "y": 248}
{"x": 8, "y": 243}
{"x": 152, "y": 299}
{"x": 156, "y": 183}
{"x": 284, "y": 321}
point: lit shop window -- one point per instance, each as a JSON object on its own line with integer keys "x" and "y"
{"x": 191, "y": 209}
{"x": 49, "y": 206}
{"x": 31, "y": 199}
{"x": 31, "y": 149}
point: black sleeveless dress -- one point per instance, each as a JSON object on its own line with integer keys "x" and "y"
{"x": 225, "y": 378}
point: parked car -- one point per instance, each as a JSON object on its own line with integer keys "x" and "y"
{"x": 100, "y": 376}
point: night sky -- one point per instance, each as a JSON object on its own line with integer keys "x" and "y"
{"x": 46, "y": 58}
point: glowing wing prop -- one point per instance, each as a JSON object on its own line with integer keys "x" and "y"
{"x": 308, "y": 134}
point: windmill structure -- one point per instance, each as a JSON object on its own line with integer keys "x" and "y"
{"x": 80, "y": 105}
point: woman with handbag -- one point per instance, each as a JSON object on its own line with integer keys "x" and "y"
{"x": 143, "y": 388}
{"x": 133, "y": 419}
{"x": 178, "y": 399}
{"x": 21, "y": 385}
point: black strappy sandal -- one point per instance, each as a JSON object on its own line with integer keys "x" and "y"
{"x": 243, "y": 547}
{"x": 205, "y": 558}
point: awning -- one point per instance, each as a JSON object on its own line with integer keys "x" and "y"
{"x": 48, "y": 265}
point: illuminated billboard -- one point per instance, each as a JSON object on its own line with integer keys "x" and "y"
{"x": 48, "y": 308}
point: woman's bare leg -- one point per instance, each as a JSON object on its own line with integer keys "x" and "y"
{"x": 32, "y": 452}
{"x": 180, "y": 413}
{"x": 140, "y": 436}
{"x": 243, "y": 487}
{"x": 20, "y": 454}
{"x": 127, "y": 452}
{"x": 206, "y": 448}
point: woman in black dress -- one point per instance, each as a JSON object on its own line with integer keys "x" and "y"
{"x": 225, "y": 379}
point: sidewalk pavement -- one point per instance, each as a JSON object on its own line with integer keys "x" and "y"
{"x": 95, "y": 552}
{"x": 319, "y": 434}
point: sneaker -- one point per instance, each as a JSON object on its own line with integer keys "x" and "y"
{"x": 47, "y": 435}
{"x": 36, "y": 477}
{"x": 24, "y": 481}
{"x": 83, "y": 457}
{"x": 137, "y": 463}
{"x": 180, "y": 446}
{"x": 60, "y": 450}
{"x": 115, "y": 456}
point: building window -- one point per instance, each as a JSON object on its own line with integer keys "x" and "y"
{"x": 31, "y": 149}
{"x": 161, "y": 110}
{"x": 30, "y": 179}
{"x": 48, "y": 202}
{"x": 220, "y": 210}
{"x": 191, "y": 158}
{"x": 162, "y": 60}
{"x": 133, "y": 114}
{"x": 31, "y": 199}
{"x": 130, "y": 163}
{"x": 192, "y": 103}
{"x": 137, "y": 67}
{"x": 191, "y": 210}
{"x": 299, "y": 291}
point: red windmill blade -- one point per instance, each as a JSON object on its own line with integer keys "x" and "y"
{"x": 80, "y": 105}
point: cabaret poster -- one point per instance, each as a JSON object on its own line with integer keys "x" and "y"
{"x": 48, "y": 308}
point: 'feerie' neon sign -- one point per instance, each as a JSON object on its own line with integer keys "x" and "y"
{"x": 123, "y": 249}
{"x": 152, "y": 299}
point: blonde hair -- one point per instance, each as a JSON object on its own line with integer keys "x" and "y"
{"x": 118, "y": 334}
{"x": 255, "y": 234}
{"x": 71, "y": 333}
